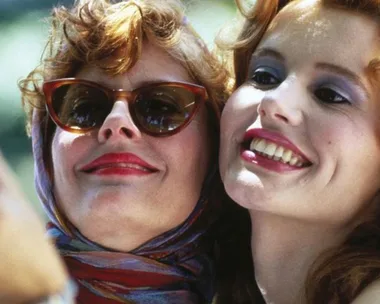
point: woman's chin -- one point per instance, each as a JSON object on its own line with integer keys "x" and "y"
{"x": 118, "y": 228}
{"x": 112, "y": 238}
{"x": 245, "y": 192}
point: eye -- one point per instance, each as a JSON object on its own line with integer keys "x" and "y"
{"x": 265, "y": 77}
{"x": 329, "y": 95}
{"x": 157, "y": 105}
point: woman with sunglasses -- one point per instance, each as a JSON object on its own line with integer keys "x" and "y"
{"x": 124, "y": 116}
{"x": 300, "y": 148}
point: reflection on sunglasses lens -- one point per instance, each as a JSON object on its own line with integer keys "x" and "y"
{"x": 80, "y": 106}
{"x": 162, "y": 108}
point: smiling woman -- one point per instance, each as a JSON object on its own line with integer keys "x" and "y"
{"x": 124, "y": 116}
{"x": 300, "y": 148}
{"x": 119, "y": 160}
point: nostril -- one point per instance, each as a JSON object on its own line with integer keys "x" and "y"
{"x": 127, "y": 132}
{"x": 107, "y": 133}
{"x": 283, "y": 118}
{"x": 123, "y": 131}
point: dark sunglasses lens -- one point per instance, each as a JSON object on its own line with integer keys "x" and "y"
{"x": 80, "y": 106}
{"x": 163, "y": 109}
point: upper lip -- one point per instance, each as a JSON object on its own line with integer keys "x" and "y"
{"x": 275, "y": 137}
{"x": 113, "y": 159}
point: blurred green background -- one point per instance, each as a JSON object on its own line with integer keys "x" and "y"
{"x": 23, "y": 29}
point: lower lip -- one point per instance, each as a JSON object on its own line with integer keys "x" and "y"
{"x": 269, "y": 164}
{"x": 121, "y": 171}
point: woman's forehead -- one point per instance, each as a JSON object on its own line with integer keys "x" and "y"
{"x": 321, "y": 33}
{"x": 154, "y": 65}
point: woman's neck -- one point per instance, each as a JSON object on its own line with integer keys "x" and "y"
{"x": 283, "y": 251}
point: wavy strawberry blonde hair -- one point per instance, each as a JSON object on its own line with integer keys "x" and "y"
{"x": 340, "y": 274}
{"x": 96, "y": 30}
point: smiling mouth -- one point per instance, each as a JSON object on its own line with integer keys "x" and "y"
{"x": 275, "y": 152}
{"x": 120, "y": 166}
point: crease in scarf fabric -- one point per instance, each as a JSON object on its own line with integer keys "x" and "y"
{"x": 174, "y": 267}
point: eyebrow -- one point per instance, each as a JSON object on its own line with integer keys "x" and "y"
{"x": 335, "y": 69}
{"x": 267, "y": 52}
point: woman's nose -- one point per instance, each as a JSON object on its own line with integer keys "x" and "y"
{"x": 282, "y": 105}
{"x": 118, "y": 124}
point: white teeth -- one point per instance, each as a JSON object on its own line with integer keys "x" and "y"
{"x": 270, "y": 149}
{"x": 260, "y": 146}
{"x": 293, "y": 161}
{"x": 137, "y": 167}
{"x": 287, "y": 156}
{"x": 277, "y": 153}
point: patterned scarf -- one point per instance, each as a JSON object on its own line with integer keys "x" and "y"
{"x": 174, "y": 267}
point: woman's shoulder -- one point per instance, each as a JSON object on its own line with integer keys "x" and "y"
{"x": 370, "y": 295}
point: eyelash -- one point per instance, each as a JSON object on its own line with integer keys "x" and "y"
{"x": 265, "y": 80}
{"x": 272, "y": 82}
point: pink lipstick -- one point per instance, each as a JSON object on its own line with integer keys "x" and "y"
{"x": 274, "y": 153}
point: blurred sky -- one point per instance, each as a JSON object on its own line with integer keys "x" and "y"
{"x": 23, "y": 31}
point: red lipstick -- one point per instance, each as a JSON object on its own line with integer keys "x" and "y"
{"x": 119, "y": 164}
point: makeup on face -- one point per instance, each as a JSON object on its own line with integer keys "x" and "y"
{"x": 306, "y": 118}
{"x": 268, "y": 68}
{"x": 127, "y": 150}
{"x": 119, "y": 164}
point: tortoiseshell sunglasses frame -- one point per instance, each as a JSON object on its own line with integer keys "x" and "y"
{"x": 113, "y": 94}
